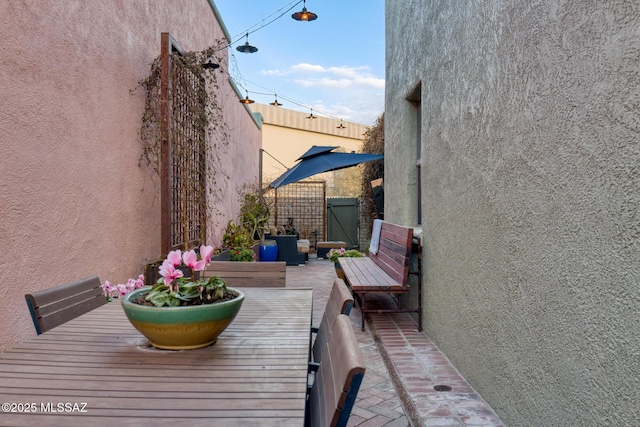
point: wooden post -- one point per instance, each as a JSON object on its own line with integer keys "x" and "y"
{"x": 165, "y": 197}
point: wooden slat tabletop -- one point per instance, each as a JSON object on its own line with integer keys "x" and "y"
{"x": 98, "y": 370}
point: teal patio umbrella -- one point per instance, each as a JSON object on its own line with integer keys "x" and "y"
{"x": 319, "y": 159}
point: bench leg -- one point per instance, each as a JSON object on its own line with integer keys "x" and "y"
{"x": 359, "y": 300}
{"x": 362, "y": 310}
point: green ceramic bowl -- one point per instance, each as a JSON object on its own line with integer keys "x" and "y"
{"x": 181, "y": 328}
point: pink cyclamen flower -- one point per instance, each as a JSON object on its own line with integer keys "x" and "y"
{"x": 109, "y": 290}
{"x": 175, "y": 257}
{"x": 190, "y": 259}
{"x": 133, "y": 284}
{"x": 123, "y": 289}
{"x": 140, "y": 281}
{"x": 206, "y": 252}
{"x": 169, "y": 272}
{"x": 120, "y": 290}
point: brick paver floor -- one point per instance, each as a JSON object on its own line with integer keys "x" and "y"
{"x": 403, "y": 366}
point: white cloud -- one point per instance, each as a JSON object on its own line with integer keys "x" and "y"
{"x": 338, "y": 77}
{"x": 370, "y": 81}
{"x": 348, "y": 71}
{"x": 275, "y": 72}
{"x": 324, "y": 82}
{"x": 356, "y": 94}
{"x": 308, "y": 67}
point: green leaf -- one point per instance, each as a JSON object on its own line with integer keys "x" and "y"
{"x": 160, "y": 286}
{"x": 157, "y": 299}
{"x": 173, "y": 302}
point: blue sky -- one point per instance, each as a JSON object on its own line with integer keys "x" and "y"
{"x": 334, "y": 64}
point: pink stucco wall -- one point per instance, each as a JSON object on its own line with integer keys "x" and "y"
{"x": 74, "y": 201}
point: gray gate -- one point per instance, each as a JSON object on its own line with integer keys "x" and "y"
{"x": 342, "y": 220}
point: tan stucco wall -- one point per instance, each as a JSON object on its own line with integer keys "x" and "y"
{"x": 73, "y": 200}
{"x": 287, "y": 134}
{"x": 531, "y": 194}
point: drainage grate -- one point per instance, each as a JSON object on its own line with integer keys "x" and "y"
{"x": 441, "y": 387}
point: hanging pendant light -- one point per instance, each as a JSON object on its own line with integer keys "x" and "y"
{"x": 341, "y": 125}
{"x": 247, "y": 100}
{"x": 311, "y": 116}
{"x": 304, "y": 14}
{"x": 210, "y": 65}
{"x": 275, "y": 103}
{"x": 246, "y": 47}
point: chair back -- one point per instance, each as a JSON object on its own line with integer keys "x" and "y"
{"x": 52, "y": 307}
{"x": 338, "y": 378}
{"x": 249, "y": 274}
{"x": 340, "y": 302}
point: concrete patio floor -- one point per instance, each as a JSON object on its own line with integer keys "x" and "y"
{"x": 403, "y": 366}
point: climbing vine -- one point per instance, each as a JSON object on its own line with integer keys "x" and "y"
{"x": 209, "y": 118}
{"x": 373, "y": 144}
{"x": 198, "y": 136}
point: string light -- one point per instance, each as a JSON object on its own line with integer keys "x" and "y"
{"x": 275, "y": 103}
{"x": 281, "y": 12}
{"x": 246, "y": 47}
{"x": 246, "y": 33}
{"x": 247, "y": 100}
{"x": 210, "y": 65}
{"x": 304, "y": 14}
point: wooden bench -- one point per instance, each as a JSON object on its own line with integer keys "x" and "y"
{"x": 53, "y": 307}
{"x": 384, "y": 272}
{"x": 249, "y": 274}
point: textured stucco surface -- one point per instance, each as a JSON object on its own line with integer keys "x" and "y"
{"x": 530, "y": 147}
{"x": 73, "y": 200}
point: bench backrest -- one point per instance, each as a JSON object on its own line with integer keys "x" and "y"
{"x": 52, "y": 307}
{"x": 249, "y": 274}
{"x": 338, "y": 379}
{"x": 394, "y": 251}
{"x": 340, "y": 302}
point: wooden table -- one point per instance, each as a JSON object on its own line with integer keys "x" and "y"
{"x": 98, "y": 370}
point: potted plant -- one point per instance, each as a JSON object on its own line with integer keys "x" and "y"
{"x": 255, "y": 213}
{"x": 242, "y": 254}
{"x": 236, "y": 236}
{"x": 179, "y": 313}
{"x": 336, "y": 253}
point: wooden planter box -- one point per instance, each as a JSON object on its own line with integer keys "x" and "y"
{"x": 222, "y": 256}
{"x": 151, "y": 273}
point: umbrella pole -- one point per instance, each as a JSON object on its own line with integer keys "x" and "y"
{"x": 260, "y": 170}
